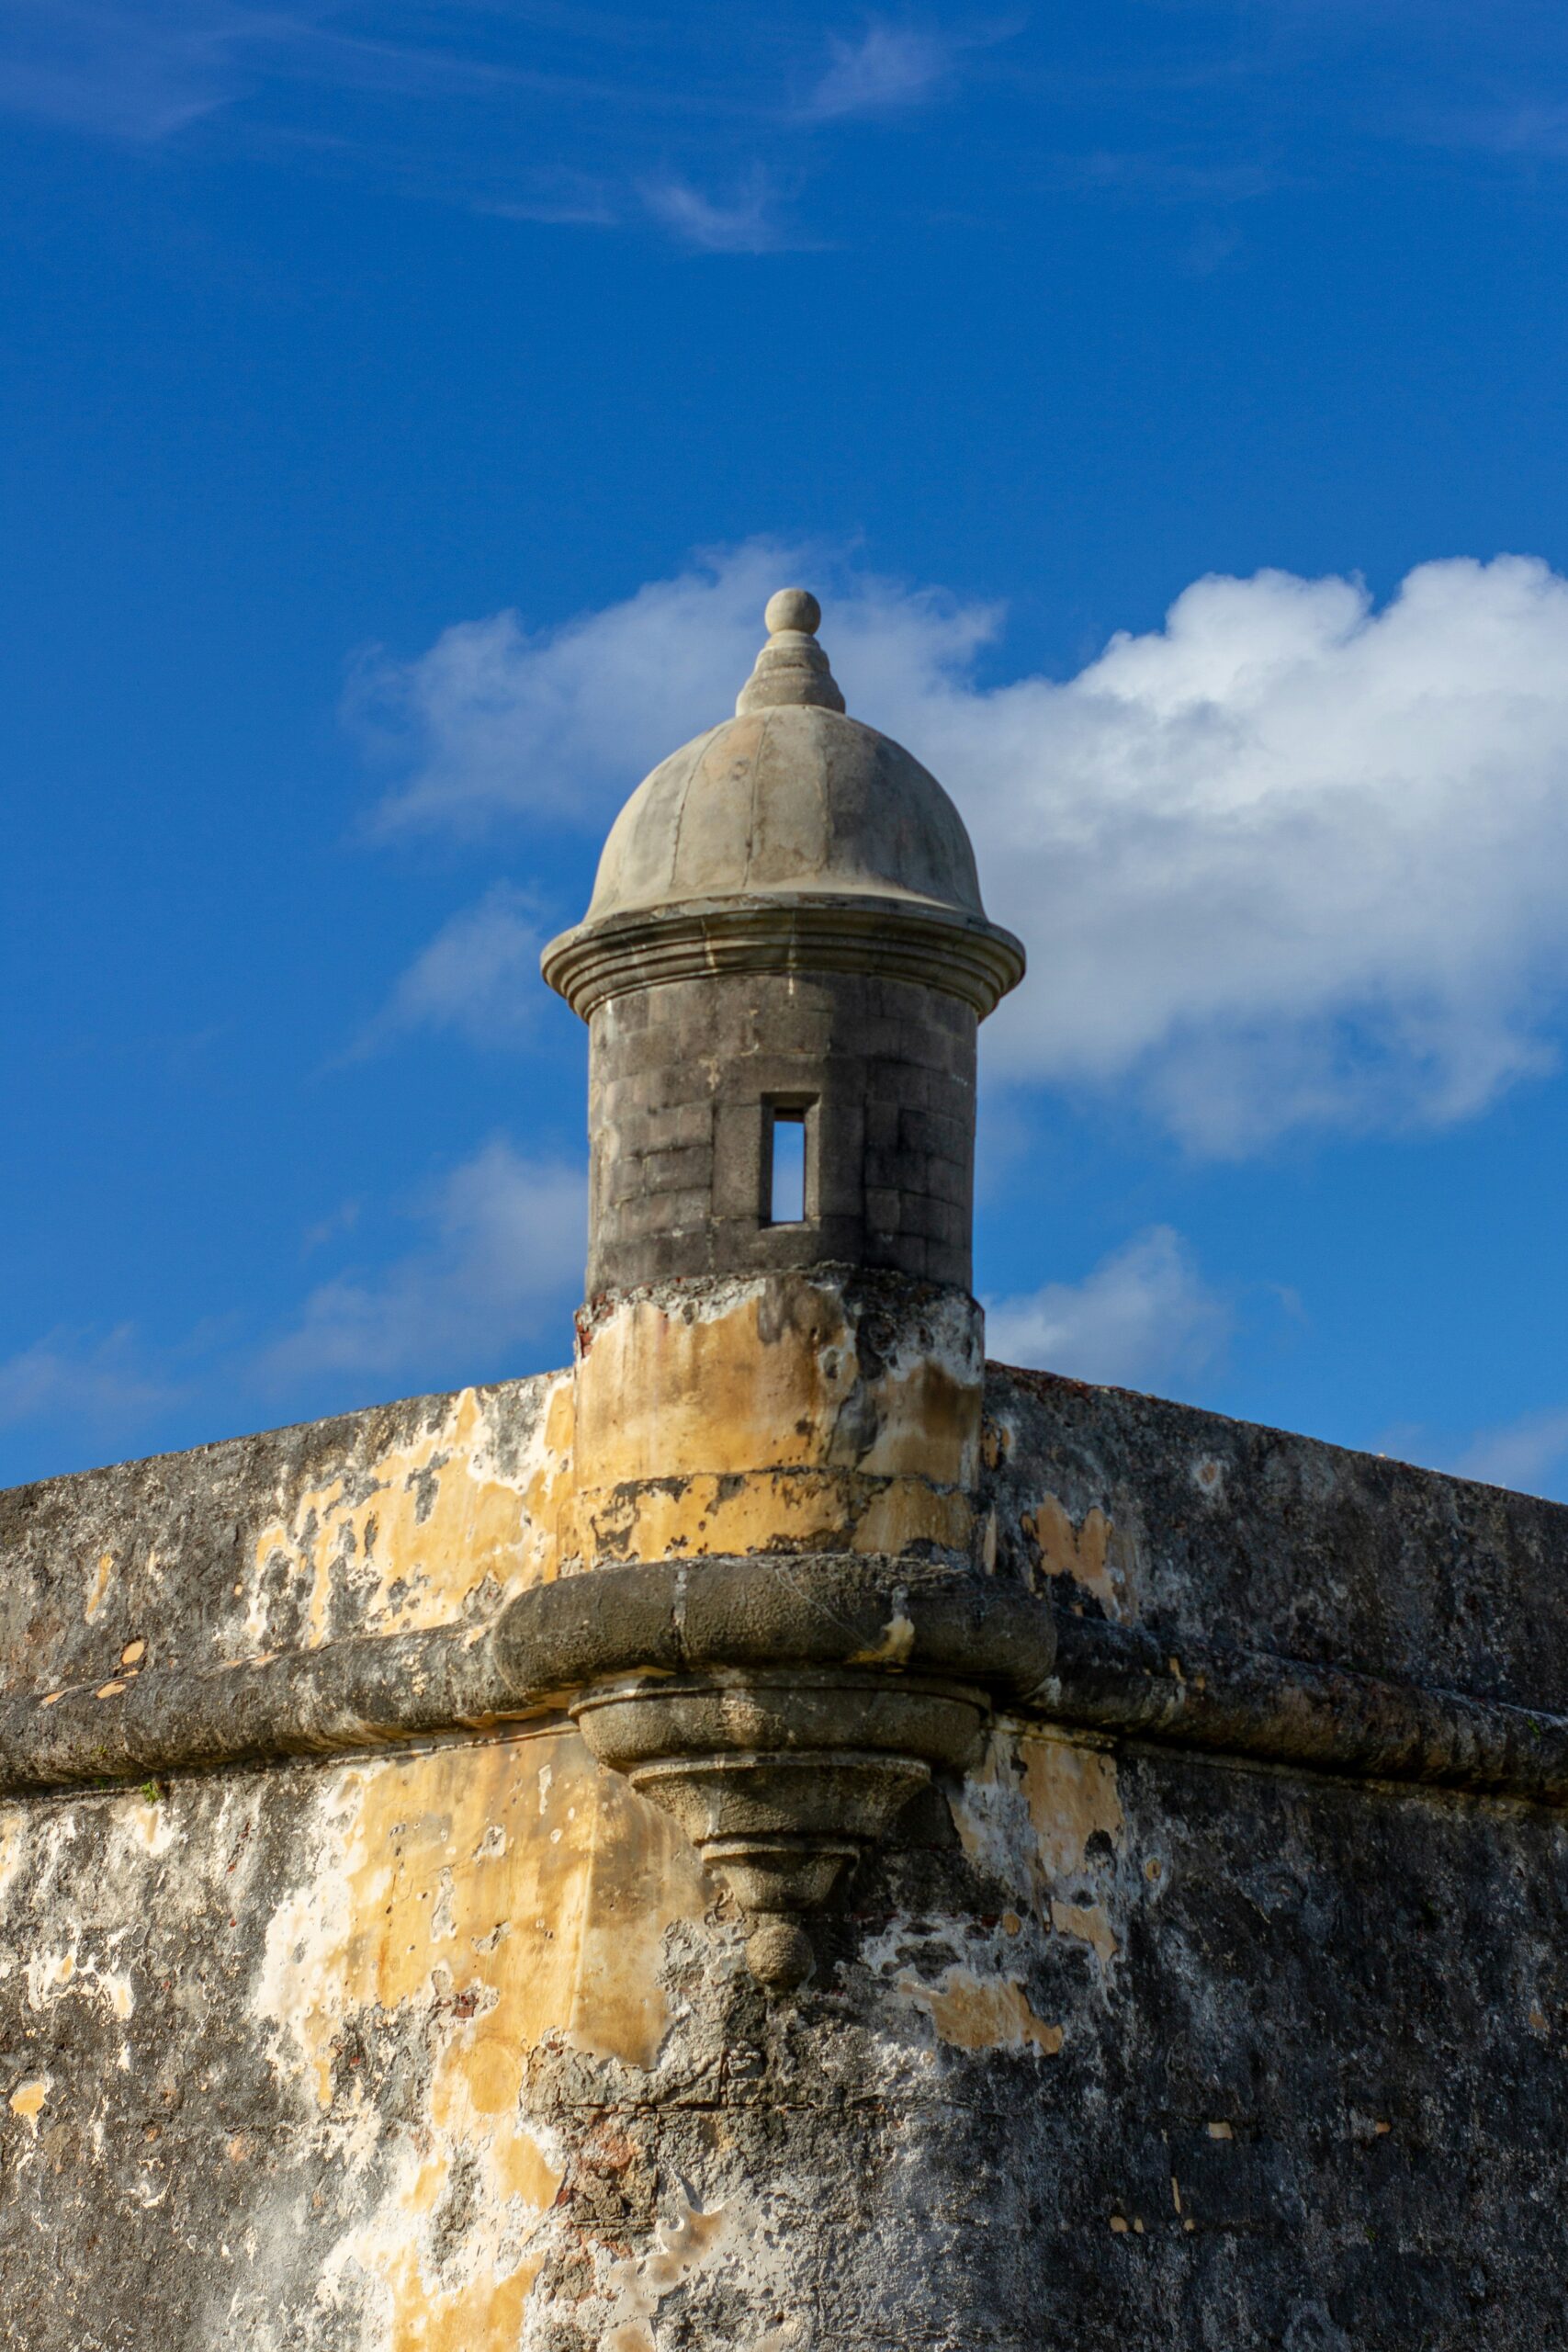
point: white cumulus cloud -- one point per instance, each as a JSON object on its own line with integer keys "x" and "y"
{"x": 1143, "y": 1318}
{"x": 1290, "y": 859}
{"x": 498, "y": 719}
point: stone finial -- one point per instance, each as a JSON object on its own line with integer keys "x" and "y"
{"x": 791, "y": 666}
{"x": 792, "y": 608}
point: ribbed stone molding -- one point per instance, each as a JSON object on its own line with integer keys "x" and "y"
{"x": 780, "y": 1776}
{"x": 960, "y": 956}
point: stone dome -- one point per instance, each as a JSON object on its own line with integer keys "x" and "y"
{"x": 791, "y": 838}
{"x": 789, "y": 797}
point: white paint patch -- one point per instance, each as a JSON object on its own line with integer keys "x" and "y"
{"x": 689, "y": 2241}
{"x": 893, "y": 1648}
{"x": 1028, "y": 1813}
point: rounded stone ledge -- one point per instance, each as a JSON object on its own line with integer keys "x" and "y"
{"x": 882, "y": 1611}
{"x": 367, "y": 1691}
{"x": 541, "y": 1650}
{"x": 963, "y": 956}
{"x": 899, "y": 1619}
{"x": 1134, "y": 1683}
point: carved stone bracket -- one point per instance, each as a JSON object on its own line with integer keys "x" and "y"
{"x": 779, "y": 1777}
{"x": 783, "y": 1710}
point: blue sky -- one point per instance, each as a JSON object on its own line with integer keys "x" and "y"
{"x": 405, "y": 412}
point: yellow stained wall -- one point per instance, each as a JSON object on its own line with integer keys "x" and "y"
{"x": 495, "y": 1899}
{"x": 757, "y": 1418}
{"x": 498, "y": 1904}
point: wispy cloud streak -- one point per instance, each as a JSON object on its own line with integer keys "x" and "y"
{"x": 890, "y": 67}
{"x": 101, "y": 1381}
{"x": 746, "y": 221}
{"x": 1530, "y": 1453}
{"x": 139, "y": 74}
{"x": 502, "y": 1257}
{"x": 483, "y": 1289}
{"x": 478, "y": 978}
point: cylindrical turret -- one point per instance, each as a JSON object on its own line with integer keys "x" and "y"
{"x": 782, "y": 969}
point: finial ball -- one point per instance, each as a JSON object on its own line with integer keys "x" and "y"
{"x": 792, "y": 608}
{"x": 780, "y": 1953}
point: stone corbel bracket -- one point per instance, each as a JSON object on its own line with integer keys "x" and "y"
{"x": 790, "y": 1708}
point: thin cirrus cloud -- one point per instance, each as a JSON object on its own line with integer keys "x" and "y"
{"x": 98, "y": 1380}
{"x": 145, "y": 71}
{"x": 101, "y": 68}
{"x": 1144, "y": 1317}
{"x": 890, "y": 67}
{"x": 477, "y": 978}
{"x": 488, "y": 1279}
{"x": 746, "y": 221}
{"x": 499, "y": 1257}
{"x": 490, "y": 108}
{"x": 1528, "y": 1454}
{"x": 1293, "y": 859}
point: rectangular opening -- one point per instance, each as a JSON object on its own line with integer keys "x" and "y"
{"x": 787, "y": 1164}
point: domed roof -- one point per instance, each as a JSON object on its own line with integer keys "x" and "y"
{"x": 789, "y": 838}
{"x": 788, "y": 797}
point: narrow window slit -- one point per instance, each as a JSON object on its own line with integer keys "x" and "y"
{"x": 786, "y": 1199}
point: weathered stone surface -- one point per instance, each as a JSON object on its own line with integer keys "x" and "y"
{"x": 1219, "y": 1531}
{"x": 415, "y": 1514}
{"x": 815, "y": 1412}
{"x": 457, "y": 2047}
{"x": 679, "y": 1113}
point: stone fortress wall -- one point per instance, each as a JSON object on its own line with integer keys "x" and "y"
{"x": 782, "y": 1837}
{"x": 1248, "y": 2032}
